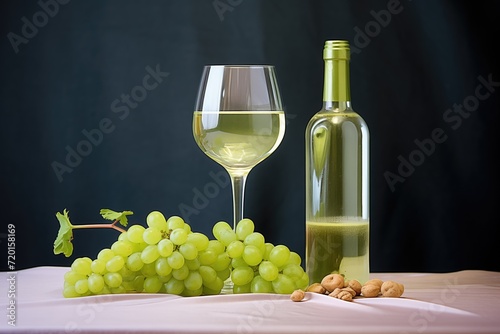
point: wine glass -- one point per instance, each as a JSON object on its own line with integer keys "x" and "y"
{"x": 238, "y": 121}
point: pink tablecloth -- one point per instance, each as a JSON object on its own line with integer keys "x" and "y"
{"x": 460, "y": 302}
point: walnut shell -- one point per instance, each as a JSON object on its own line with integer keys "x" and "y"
{"x": 297, "y": 295}
{"x": 341, "y": 294}
{"x": 392, "y": 289}
{"x": 353, "y": 284}
{"x": 370, "y": 290}
{"x": 317, "y": 288}
{"x": 332, "y": 281}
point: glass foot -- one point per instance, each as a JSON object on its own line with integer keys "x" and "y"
{"x": 228, "y": 287}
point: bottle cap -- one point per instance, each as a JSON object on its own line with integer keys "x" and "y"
{"x": 336, "y": 49}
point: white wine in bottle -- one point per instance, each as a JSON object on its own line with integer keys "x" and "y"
{"x": 337, "y": 178}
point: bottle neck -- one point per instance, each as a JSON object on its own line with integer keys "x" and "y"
{"x": 336, "y": 90}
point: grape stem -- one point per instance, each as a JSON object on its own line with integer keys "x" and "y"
{"x": 112, "y": 226}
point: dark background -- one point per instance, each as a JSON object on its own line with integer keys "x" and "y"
{"x": 411, "y": 68}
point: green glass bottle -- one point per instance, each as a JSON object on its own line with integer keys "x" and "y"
{"x": 337, "y": 178}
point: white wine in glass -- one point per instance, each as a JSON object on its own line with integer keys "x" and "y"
{"x": 238, "y": 140}
{"x": 238, "y": 121}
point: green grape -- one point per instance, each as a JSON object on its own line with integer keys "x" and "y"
{"x": 189, "y": 251}
{"x": 238, "y": 262}
{"x": 256, "y": 239}
{"x": 226, "y": 237}
{"x": 260, "y": 285}
{"x": 176, "y": 260}
{"x": 303, "y": 282}
{"x": 242, "y": 275}
{"x": 165, "y": 247}
{"x": 269, "y": 247}
{"x": 215, "y": 285}
{"x": 208, "y": 274}
{"x": 237, "y": 289}
{"x": 187, "y": 228}
{"x": 139, "y": 247}
{"x": 149, "y": 269}
{"x": 192, "y": 293}
{"x": 279, "y": 255}
{"x": 95, "y": 283}
{"x": 216, "y": 246}
{"x": 293, "y": 271}
{"x": 193, "y": 281}
{"x": 262, "y": 250}
{"x": 181, "y": 273}
{"x": 113, "y": 280}
{"x": 207, "y": 257}
{"x": 115, "y": 264}
{"x": 134, "y": 261}
{"x": 174, "y": 286}
{"x": 70, "y": 292}
{"x": 127, "y": 274}
{"x": 224, "y": 273}
{"x": 244, "y": 228}
{"x": 105, "y": 255}
{"x": 138, "y": 283}
{"x": 151, "y": 235}
{"x": 81, "y": 286}
{"x": 209, "y": 292}
{"x": 129, "y": 286}
{"x": 98, "y": 266}
{"x": 199, "y": 240}
{"x": 193, "y": 264}
{"x": 118, "y": 290}
{"x": 175, "y": 222}
{"x": 104, "y": 291}
{"x": 150, "y": 254}
{"x": 165, "y": 279}
{"x": 235, "y": 249}
{"x": 135, "y": 232}
{"x": 223, "y": 261}
{"x": 268, "y": 271}
{"x": 252, "y": 255}
{"x": 283, "y": 284}
{"x": 178, "y": 236}
{"x": 156, "y": 219}
{"x": 72, "y": 277}
{"x": 294, "y": 259}
{"x": 123, "y": 236}
{"x": 81, "y": 266}
{"x": 122, "y": 247}
{"x": 152, "y": 284}
{"x": 219, "y": 227}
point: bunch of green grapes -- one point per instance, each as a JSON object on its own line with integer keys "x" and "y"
{"x": 167, "y": 257}
{"x": 256, "y": 265}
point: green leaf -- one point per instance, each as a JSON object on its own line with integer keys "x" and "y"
{"x": 64, "y": 236}
{"x": 113, "y": 215}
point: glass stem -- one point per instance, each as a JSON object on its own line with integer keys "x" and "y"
{"x": 238, "y": 185}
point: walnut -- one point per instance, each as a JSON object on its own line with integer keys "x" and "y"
{"x": 297, "y": 295}
{"x": 317, "y": 288}
{"x": 370, "y": 290}
{"x": 341, "y": 294}
{"x": 332, "y": 281}
{"x": 392, "y": 289}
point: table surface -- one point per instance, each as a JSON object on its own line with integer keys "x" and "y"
{"x": 458, "y": 302}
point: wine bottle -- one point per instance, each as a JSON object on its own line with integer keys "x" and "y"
{"x": 337, "y": 178}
